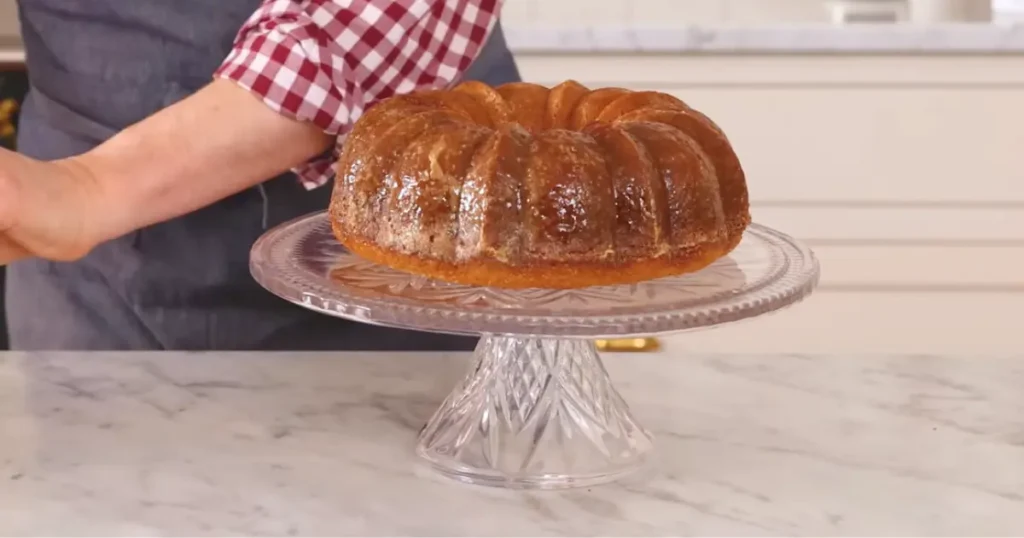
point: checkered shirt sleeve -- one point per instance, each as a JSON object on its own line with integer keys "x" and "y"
{"x": 326, "y": 61}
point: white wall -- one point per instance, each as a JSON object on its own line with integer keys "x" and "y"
{"x": 581, "y": 12}
{"x": 903, "y": 172}
{"x": 8, "y": 18}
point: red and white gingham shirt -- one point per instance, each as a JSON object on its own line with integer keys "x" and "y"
{"x": 326, "y": 61}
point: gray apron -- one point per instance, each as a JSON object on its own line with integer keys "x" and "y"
{"x": 97, "y": 66}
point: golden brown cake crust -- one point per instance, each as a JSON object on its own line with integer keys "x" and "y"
{"x": 489, "y": 272}
{"x": 524, "y": 186}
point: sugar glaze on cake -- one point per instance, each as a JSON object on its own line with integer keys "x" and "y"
{"x": 524, "y": 186}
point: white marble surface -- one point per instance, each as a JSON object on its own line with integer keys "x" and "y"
{"x": 321, "y": 444}
{"x": 802, "y": 39}
{"x": 774, "y": 39}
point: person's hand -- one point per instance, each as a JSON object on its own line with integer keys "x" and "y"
{"x": 47, "y": 209}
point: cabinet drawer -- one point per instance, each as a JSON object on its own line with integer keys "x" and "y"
{"x": 835, "y": 128}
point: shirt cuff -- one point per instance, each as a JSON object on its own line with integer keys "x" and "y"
{"x": 326, "y": 61}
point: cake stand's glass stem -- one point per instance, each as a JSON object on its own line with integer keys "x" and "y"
{"x": 535, "y": 413}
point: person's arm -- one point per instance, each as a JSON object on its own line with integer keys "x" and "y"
{"x": 300, "y": 74}
{"x": 216, "y": 143}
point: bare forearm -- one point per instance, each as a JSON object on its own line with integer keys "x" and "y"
{"x": 216, "y": 143}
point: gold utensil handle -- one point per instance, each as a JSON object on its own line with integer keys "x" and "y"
{"x": 628, "y": 345}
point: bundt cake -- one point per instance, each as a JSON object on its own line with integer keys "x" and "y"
{"x": 524, "y": 186}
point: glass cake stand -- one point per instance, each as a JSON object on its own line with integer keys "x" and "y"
{"x": 537, "y": 409}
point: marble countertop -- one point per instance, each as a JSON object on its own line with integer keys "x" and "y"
{"x": 774, "y": 39}
{"x": 769, "y": 39}
{"x": 321, "y": 444}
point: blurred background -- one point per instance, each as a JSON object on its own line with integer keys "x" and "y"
{"x": 886, "y": 133}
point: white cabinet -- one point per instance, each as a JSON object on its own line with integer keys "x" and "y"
{"x": 904, "y": 173}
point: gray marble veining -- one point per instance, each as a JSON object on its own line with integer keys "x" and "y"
{"x": 321, "y": 444}
{"x": 779, "y": 39}
{"x": 1007, "y": 38}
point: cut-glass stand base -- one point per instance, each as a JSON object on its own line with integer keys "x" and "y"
{"x": 538, "y": 409}
{"x": 535, "y": 413}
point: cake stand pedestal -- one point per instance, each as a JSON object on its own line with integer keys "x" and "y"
{"x": 537, "y": 408}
